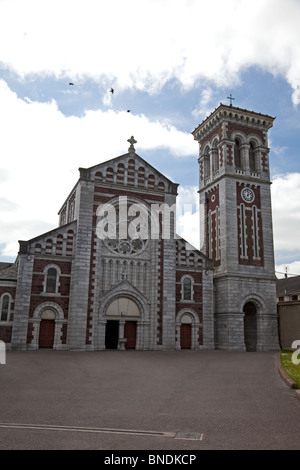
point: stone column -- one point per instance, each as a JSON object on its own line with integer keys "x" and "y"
{"x": 122, "y": 340}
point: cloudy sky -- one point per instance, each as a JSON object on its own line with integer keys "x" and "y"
{"x": 171, "y": 62}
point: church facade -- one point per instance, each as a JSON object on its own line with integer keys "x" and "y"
{"x": 114, "y": 274}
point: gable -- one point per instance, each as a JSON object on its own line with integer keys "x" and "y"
{"x": 129, "y": 170}
{"x": 57, "y": 242}
{"x": 188, "y": 256}
{"x": 8, "y": 271}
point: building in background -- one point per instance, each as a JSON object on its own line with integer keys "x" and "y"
{"x": 288, "y": 298}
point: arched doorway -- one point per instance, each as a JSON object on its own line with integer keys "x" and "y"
{"x": 185, "y": 336}
{"x": 112, "y": 334}
{"x": 250, "y": 326}
{"x": 122, "y": 316}
{"x": 186, "y": 332}
{"x": 47, "y": 329}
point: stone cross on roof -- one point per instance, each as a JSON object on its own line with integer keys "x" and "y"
{"x": 131, "y": 141}
{"x": 230, "y": 97}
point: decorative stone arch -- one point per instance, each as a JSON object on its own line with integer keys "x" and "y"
{"x": 125, "y": 290}
{"x": 206, "y": 148}
{"x": 215, "y": 140}
{"x": 237, "y": 134}
{"x": 254, "y": 138}
{"x": 257, "y": 300}
{"x": 47, "y": 311}
{"x": 188, "y": 316}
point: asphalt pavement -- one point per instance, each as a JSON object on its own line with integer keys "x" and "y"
{"x": 149, "y": 400}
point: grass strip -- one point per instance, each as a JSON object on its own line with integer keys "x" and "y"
{"x": 293, "y": 370}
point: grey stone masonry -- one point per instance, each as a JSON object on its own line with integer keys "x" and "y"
{"x": 79, "y": 289}
{"x": 154, "y": 291}
{"x": 22, "y": 300}
{"x": 234, "y": 160}
{"x": 208, "y": 306}
{"x": 169, "y": 283}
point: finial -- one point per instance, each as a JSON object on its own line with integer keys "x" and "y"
{"x": 131, "y": 141}
{"x": 230, "y": 97}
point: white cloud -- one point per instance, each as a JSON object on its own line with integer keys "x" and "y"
{"x": 133, "y": 44}
{"x": 204, "y": 107}
{"x": 42, "y": 150}
{"x": 286, "y": 211}
{"x": 279, "y": 150}
{"x": 187, "y": 215}
{"x": 145, "y": 43}
{"x": 291, "y": 269}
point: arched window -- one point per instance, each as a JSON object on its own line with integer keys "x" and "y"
{"x": 215, "y": 156}
{"x": 5, "y": 307}
{"x": 252, "y": 164}
{"x": 38, "y": 248}
{"x": 187, "y": 293}
{"x": 51, "y": 281}
{"x": 206, "y": 162}
{"x": 237, "y": 154}
{"x": 98, "y": 176}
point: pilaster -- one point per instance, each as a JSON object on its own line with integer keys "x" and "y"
{"x": 22, "y": 300}
{"x": 79, "y": 289}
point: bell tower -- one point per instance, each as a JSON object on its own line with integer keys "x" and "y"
{"x": 236, "y": 226}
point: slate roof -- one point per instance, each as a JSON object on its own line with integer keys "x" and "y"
{"x": 8, "y": 271}
{"x": 288, "y": 285}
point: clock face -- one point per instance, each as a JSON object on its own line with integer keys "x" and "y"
{"x": 248, "y": 195}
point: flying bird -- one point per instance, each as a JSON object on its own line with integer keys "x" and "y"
{"x": 128, "y": 110}
{"x": 112, "y": 90}
{"x": 71, "y": 83}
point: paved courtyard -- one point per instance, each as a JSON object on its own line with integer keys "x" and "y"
{"x": 150, "y": 400}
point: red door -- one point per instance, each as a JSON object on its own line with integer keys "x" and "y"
{"x": 46, "y": 337}
{"x": 130, "y": 334}
{"x": 185, "y": 336}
